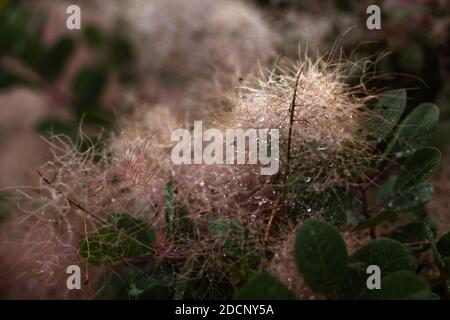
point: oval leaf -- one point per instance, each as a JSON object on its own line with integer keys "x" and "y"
{"x": 417, "y": 169}
{"x": 388, "y": 110}
{"x": 388, "y": 254}
{"x": 415, "y": 131}
{"x": 264, "y": 286}
{"x": 321, "y": 255}
{"x": 402, "y": 285}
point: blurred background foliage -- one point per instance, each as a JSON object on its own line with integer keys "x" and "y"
{"x": 27, "y": 59}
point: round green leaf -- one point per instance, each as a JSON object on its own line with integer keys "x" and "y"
{"x": 321, "y": 255}
{"x": 402, "y": 285}
{"x": 388, "y": 254}
{"x": 264, "y": 286}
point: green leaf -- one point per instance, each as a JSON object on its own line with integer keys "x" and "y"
{"x": 415, "y": 131}
{"x": 387, "y": 254}
{"x": 137, "y": 282}
{"x": 431, "y": 235}
{"x": 180, "y": 287}
{"x": 321, "y": 255}
{"x": 14, "y": 21}
{"x": 333, "y": 202}
{"x": 179, "y": 224}
{"x": 412, "y": 57}
{"x": 417, "y": 169}
{"x": 386, "y": 215}
{"x": 237, "y": 242}
{"x": 88, "y": 86}
{"x": 125, "y": 237}
{"x": 263, "y": 286}
{"x": 97, "y": 117}
{"x": 403, "y": 199}
{"x": 51, "y": 127}
{"x": 388, "y": 110}
{"x": 56, "y": 58}
{"x": 155, "y": 283}
{"x": 446, "y": 263}
{"x": 344, "y": 6}
{"x": 420, "y": 213}
{"x": 443, "y": 245}
{"x": 359, "y": 69}
{"x": 412, "y": 198}
{"x": 170, "y": 204}
{"x": 223, "y": 227}
{"x": 93, "y": 35}
{"x": 120, "y": 51}
{"x": 337, "y": 217}
{"x": 32, "y": 51}
{"x": 386, "y": 191}
{"x": 412, "y": 232}
{"x": 402, "y": 285}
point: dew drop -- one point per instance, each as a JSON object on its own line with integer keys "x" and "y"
{"x": 290, "y": 283}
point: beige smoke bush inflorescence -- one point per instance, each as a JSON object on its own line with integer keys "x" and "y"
{"x": 324, "y": 125}
{"x": 227, "y": 33}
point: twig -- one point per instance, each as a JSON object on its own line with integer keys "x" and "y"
{"x": 417, "y": 243}
{"x": 269, "y": 224}
{"x": 365, "y": 207}
{"x": 291, "y": 121}
{"x": 288, "y": 157}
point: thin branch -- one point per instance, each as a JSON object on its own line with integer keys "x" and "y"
{"x": 288, "y": 157}
{"x": 291, "y": 121}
